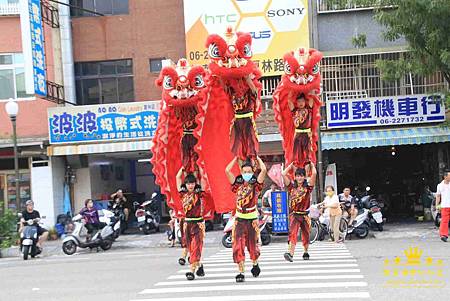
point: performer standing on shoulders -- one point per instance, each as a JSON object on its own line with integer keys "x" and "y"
{"x": 299, "y": 202}
{"x": 245, "y": 233}
{"x": 191, "y": 196}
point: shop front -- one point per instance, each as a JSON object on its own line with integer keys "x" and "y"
{"x": 396, "y": 146}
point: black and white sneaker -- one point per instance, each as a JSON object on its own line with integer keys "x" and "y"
{"x": 200, "y": 271}
{"x": 288, "y": 257}
{"x": 444, "y": 238}
{"x": 240, "y": 277}
{"x": 190, "y": 276}
{"x": 182, "y": 261}
{"x": 305, "y": 256}
{"x": 256, "y": 270}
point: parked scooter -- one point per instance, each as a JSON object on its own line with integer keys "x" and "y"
{"x": 119, "y": 213}
{"x": 29, "y": 238}
{"x": 103, "y": 238}
{"x": 264, "y": 231}
{"x": 147, "y": 215}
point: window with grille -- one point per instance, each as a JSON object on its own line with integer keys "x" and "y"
{"x": 105, "y": 7}
{"x": 324, "y": 6}
{"x": 357, "y": 76}
{"x": 104, "y": 82}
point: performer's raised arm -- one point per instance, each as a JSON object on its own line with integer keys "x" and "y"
{"x": 228, "y": 171}
{"x": 285, "y": 172}
{"x": 312, "y": 178}
{"x": 180, "y": 178}
{"x": 263, "y": 172}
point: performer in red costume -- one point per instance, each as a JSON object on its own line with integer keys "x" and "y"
{"x": 297, "y": 105}
{"x": 299, "y": 202}
{"x": 245, "y": 233}
{"x": 180, "y": 123}
{"x": 191, "y": 196}
{"x": 233, "y": 105}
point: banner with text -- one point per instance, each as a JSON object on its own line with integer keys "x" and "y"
{"x": 276, "y": 27}
{"x": 280, "y": 212}
{"x": 108, "y": 122}
{"x": 385, "y": 111}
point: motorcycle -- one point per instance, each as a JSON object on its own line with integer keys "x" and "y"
{"x": 103, "y": 238}
{"x": 147, "y": 215}
{"x": 264, "y": 230}
{"x": 361, "y": 227}
{"x": 29, "y": 238}
{"x": 118, "y": 212}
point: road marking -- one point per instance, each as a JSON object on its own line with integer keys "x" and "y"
{"x": 287, "y": 267}
{"x": 280, "y": 261}
{"x": 275, "y": 258}
{"x": 200, "y": 280}
{"x": 301, "y": 296}
{"x": 35, "y": 289}
{"x": 269, "y": 273}
{"x": 236, "y": 287}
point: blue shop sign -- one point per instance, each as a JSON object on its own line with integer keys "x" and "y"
{"x": 124, "y": 121}
{"x": 385, "y": 111}
{"x": 280, "y": 212}
{"x": 37, "y": 47}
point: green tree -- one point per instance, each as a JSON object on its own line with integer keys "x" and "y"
{"x": 424, "y": 24}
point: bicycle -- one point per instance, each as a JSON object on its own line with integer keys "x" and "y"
{"x": 320, "y": 226}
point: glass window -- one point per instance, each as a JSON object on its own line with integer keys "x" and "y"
{"x": 103, "y": 7}
{"x": 20, "y": 83}
{"x": 126, "y": 89}
{"x": 156, "y": 64}
{"x": 106, "y": 7}
{"x": 109, "y": 90}
{"x": 120, "y": 7}
{"x": 104, "y": 82}
{"x": 7, "y": 84}
{"x": 6, "y": 59}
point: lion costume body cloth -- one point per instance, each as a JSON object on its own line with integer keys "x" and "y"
{"x": 296, "y": 106}
{"x": 234, "y": 101}
{"x": 181, "y": 118}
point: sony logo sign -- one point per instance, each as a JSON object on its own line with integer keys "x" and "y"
{"x": 285, "y": 12}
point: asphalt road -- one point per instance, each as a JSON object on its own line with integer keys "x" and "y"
{"x": 131, "y": 271}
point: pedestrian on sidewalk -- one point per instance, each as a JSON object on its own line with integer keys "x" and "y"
{"x": 299, "y": 202}
{"x": 333, "y": 208}
{"x": 191, "y": 196}
{"x": 245, "y": 232}
{"x": 443, "y": 205}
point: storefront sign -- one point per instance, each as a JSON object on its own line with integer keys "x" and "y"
{"x": 109, "y": 122}
{"x": 37, "y": 47}
{"x": 280, "y": 212}
{"x": 385, "y": 111}
{"x": 276, "y": 26}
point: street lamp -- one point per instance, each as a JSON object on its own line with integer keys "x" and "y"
{"x": 12, "y": 109}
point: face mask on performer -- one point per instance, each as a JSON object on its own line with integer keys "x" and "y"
{"x": 247, "y": 172}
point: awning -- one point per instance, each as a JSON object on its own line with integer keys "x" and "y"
{"x": 99, "y": 148}
{"x": 386, "y": 137}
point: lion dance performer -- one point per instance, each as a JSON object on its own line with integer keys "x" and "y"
{"x": 297, "y": 111}
{"x": 180, "y": 123}
{"x": 299, "y": 190}
{"x": 233, "y": 104}
{"x": 245, "y": 232}
{"x": 192, "y": 196}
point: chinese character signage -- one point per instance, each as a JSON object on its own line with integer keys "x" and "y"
{"x": 37, "y": 47}
{"x": 385, "y": 111}
{"x": 109, "y": 122}
{"x": 276, "y": 27}
{"x": 280, "y": 212}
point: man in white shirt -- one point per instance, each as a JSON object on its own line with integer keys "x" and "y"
{"x": 443, "y": 205}
{"x": 267, "y": 197}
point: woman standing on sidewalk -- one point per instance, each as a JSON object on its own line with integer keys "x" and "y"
{"x": 331, "y": 204}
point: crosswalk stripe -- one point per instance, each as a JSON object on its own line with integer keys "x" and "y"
{"x": 279, "y": 261}
{"x": 236, "y": 287}
{"x": 260, "y": 279}
{"x": 276, "y": 258}
{"x": 284, "y": 251}
{"x": 287, "y": 267}
{"x": 271, "y": 273}
{"x": 301, "y": 296}
{"x": 284, "y": 246}
{"x": 280, "y": 246}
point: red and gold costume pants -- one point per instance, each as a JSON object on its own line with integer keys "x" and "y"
{"x": 296, "y": 222}
{"x": 302, "y": 148}
{"x": 194, "y": 233}
{"x": 243, "y": 139}
{"x": 245, "y": 234}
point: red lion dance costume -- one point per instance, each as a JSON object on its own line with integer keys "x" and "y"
{"x": 181, "y": 118}
{"x": 234, "y": 103}
{"x": 299, "y": 124}
{"x": 297, "y": 111}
